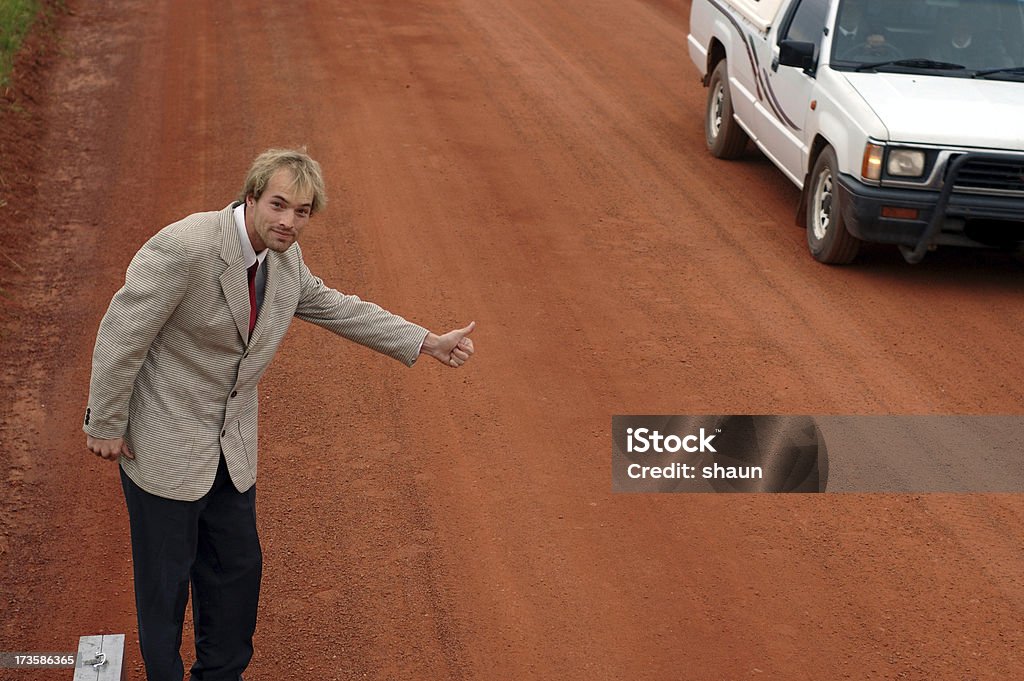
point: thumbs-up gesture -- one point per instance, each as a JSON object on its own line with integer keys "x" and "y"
{"x": 453, "y": 348}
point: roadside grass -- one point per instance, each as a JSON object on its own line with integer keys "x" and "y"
{"x": 16, "y": 17}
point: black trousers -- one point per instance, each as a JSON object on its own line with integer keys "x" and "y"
{"x": 212, "y": 545}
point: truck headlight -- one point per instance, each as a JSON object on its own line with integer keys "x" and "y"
{"x": 905, "y": 163}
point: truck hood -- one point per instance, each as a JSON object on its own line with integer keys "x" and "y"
{"x": 943, "y": 110}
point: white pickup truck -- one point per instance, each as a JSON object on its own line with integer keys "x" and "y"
{"x": 902, "y": 121}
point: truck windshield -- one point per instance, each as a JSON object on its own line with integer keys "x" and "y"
{"x": 948, "y": 37}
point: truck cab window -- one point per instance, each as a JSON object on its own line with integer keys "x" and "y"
{"x": 806, "y": 23}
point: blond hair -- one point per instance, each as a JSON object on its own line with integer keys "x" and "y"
{"x": 306, "y": 175}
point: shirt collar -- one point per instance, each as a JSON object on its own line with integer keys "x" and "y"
{"x": 249, "y": 255}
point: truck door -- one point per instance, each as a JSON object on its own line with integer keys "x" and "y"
{"x": 790, "y": 89}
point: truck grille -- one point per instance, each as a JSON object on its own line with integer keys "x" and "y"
{"x": 991, "y": 176}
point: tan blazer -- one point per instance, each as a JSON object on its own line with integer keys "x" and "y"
{"x": 172, "y": 371}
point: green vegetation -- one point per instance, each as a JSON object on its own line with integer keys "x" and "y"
{"x": 16, "y": 17}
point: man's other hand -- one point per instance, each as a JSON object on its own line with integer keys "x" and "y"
{"x": 111, "y": 450}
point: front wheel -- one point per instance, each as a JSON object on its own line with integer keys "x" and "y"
{"x": 725, "y": 138}
{"x": 827, "y": 237}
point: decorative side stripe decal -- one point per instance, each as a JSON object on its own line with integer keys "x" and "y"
{"x": 782, "y": 114}
{"x": 761, "y": 82}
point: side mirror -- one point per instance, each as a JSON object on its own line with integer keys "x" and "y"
{"x": 796, "y": 53}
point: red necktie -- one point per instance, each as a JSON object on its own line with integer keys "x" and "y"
{"x": 252, "y": 296}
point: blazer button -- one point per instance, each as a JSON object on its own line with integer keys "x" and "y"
{"x": 234, "y": 393}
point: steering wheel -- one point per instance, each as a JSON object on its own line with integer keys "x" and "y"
{"x": 867, "y": 52}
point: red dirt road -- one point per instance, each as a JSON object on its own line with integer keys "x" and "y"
{"x": 538, "y": 166}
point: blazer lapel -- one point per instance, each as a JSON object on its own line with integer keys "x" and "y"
{"x": 234, "y": 279}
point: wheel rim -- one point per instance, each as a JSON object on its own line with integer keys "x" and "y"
{"x": 715, "y": 119}
{"x": 822, "y": 204}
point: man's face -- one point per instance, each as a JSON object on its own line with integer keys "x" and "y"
{"x": 276, "y": 219}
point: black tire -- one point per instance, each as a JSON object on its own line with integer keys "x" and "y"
{"x": 827, "y": 237}
{"x": 725, "y": 138}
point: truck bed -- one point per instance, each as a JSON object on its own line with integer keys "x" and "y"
{"x": 760, "y": 13}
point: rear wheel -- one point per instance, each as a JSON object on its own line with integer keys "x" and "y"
{"x": 724, "y": 135}
{"x": 827, "y": 237}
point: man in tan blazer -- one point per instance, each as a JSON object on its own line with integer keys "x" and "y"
{"x": 173, "y": 397}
